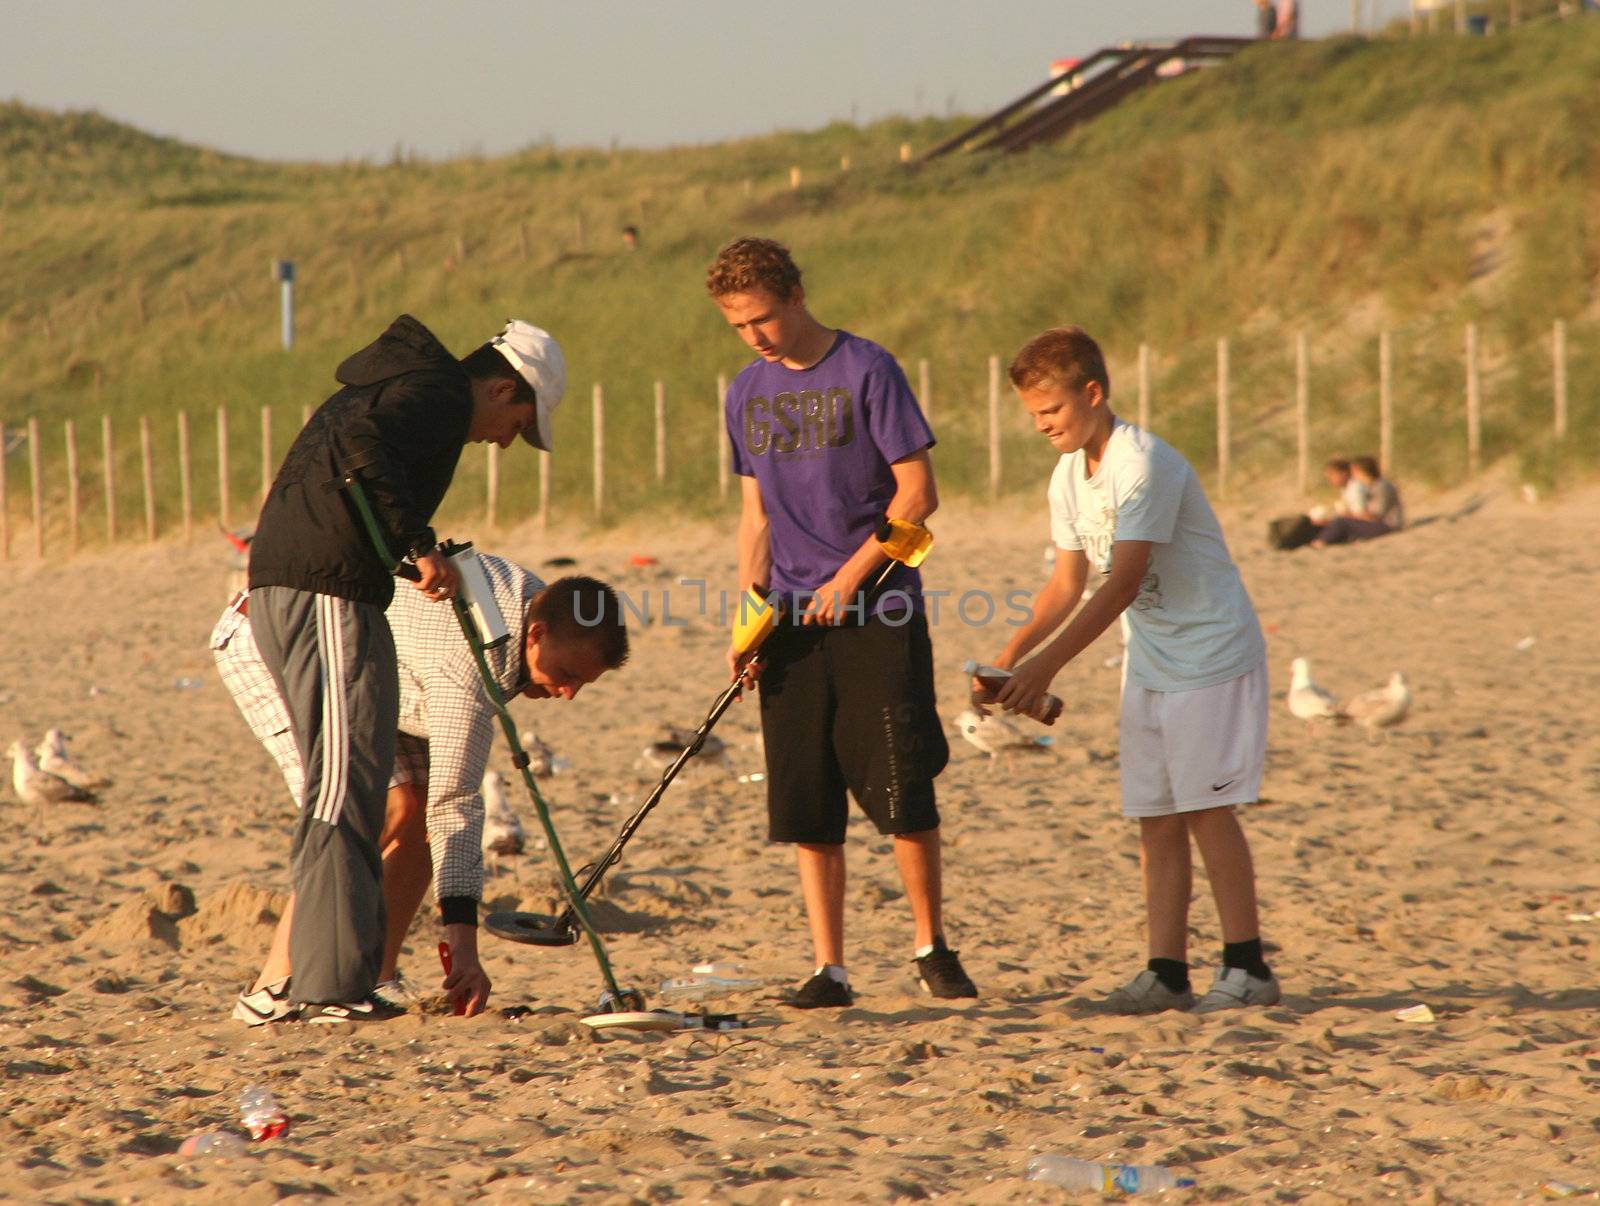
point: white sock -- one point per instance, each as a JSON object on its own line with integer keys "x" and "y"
{"x": 836, "y": 972}
{"x": 924, "y": 951}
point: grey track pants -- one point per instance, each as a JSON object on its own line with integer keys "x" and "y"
{"x": 334, "y": 662}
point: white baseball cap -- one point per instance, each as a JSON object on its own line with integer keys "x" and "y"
{"x": 537, "y": 357}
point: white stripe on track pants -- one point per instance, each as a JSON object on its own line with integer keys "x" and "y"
{"x": 334, "y": 662}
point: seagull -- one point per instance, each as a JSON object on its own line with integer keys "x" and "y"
{"x": 35, "y": 786}
{"x": 1382, "y": 707}
{"x": 502, "y": 831}
{"x": 52, "y": 755}
{"x": 1308, "y": 701}
{"x": 541, "y": 758}
{"x": 992, "y": 734}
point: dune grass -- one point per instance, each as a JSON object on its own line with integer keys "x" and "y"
{"x": 1337, "y": 188}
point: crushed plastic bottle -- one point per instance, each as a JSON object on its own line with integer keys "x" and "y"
{"x": 260, "y": 1113}
{"x": 709, "y": 980}
{"x": 213, "y": 1145}
{"x": 1106, "y": 1178}
{"x": 993, "y": 679}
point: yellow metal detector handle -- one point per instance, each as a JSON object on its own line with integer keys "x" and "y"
{"x": 904, "y": 541}
{"x": 753, "y": 622}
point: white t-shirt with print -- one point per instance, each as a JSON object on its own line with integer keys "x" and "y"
{"x": 1193, "y": 624}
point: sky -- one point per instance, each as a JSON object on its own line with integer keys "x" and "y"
{"x": 359, "y": 79}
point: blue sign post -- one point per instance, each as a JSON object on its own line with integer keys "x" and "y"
{"x": 283, "y": 271}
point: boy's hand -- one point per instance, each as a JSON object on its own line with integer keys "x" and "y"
{"x": 835, "y": 600}
{"x": 1028, "y": 685}
{"x": 745, "y": 666}
{"x": 467, "y": 980}
{"x": 439, "y": 578}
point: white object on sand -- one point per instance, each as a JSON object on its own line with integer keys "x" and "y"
{"x": 38, "y": 787}
{"x": 1381, "y": 707}
{"x": 1414, "y": 1013}
{"x": 991, "y": 734}
{"x": 502, "y": 830}
{"x": 53, "y": 757}
{"x": 541, "y": 759}
{"x": 1308, "y": 701}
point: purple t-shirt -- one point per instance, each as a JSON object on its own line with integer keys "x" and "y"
{"x": 819, "y": 442}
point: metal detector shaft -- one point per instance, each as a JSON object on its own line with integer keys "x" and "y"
{"x": 575, "y": 909}
{"x": 614, "y": 854}
{"x": 575, "y": 906}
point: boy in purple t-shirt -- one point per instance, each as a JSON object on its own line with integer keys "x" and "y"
{"x": 828, "y": 440}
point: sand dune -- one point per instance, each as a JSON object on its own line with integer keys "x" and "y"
{"x": 1437, "y": 865}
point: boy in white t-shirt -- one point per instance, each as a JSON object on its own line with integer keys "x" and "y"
{"x": 1194, "y": 693}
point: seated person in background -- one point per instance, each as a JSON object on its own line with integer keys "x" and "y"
{"x": 1381, "y": 511}
{"x": 1352, "y": 498}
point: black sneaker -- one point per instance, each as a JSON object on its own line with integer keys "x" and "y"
{"x": 822, "y": 991}
{"x": 368, "y": 1009}
{"x": 941, "y": 973}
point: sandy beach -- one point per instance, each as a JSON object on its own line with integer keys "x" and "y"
{"x": 1450, "y": 863}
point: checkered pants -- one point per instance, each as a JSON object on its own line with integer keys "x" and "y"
{"x": 245, "y": 675}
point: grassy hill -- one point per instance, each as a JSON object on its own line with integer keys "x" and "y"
{"x": 1338, "y": 188}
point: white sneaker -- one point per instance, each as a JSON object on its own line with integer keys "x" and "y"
{"x": 1145, "y": 993}
{"x": 269, "y": 1003}
{"x": 1235, "y": 988}
{"x": 397, "y": 993}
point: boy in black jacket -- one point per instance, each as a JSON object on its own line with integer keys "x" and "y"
{"x": 318, "y": 590}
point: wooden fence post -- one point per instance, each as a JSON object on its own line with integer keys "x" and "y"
{"x": 599, "y": 451}
{"x": 1385, "y": 405}
{"x": 1224, "y": 433}
{"x": 724, "y": 450}
{"x": 544, "y": 489}
{"x": 925, "y": 390}
{"x": 109, "y": 468}
{"x": 36, "y": 481}
{"x": 222, "y": 466}
{"x": 5, "y": 509}
{"x": 1474, "y": 402}
{"x": 72, "y": 487}
{"x": 1558, "y": 353}
{"x": 492, "y": 480}
{"x": 1144, "y": 387}
{"x": 147, "y": 467}
{"x": 185, "y": 487}
{"x": 994, "y": 427}
{"x": 266, "y": 451}
{"x": 1302, "y": 412}
{"x": 661, "y": 432}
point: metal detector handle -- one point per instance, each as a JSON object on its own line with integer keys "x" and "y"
{"x": 400, "y": 567}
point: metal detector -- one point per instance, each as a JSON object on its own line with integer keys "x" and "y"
{"x": 479, "y": 607}
{"x": 902, "y": 541}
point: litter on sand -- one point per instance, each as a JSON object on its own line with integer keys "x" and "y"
{"x": 1414, "y": 1013}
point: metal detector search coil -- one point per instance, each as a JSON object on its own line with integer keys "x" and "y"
{"x": 478, "y": 595}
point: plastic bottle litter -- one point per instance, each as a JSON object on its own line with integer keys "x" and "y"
{"x": 215, "y": 1145}
{"x": 993, "y": 679}
{"x": 1107, "y": 1178}
{"x": 709, "y": 980}
{"x": 260, "y": 1113}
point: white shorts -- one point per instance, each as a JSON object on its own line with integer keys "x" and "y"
{"x": 1183, "y": 751}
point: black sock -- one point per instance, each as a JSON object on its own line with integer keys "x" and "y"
{"x": 1246, "y": 955}
{"x": 1173, "y": 973}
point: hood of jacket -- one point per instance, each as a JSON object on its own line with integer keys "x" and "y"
{"x": 405, "y": 347}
